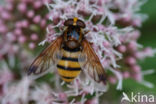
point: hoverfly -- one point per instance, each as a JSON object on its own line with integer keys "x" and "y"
{"x": 70, "y": 53}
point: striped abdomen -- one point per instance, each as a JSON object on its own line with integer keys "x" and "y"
{"x": 68, "y": 66}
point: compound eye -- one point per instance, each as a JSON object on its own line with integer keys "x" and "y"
{"x": 81, "y": 24}
{"x": 68, "y": 22}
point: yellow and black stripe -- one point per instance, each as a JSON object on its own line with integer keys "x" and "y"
{"x": 68, "y": 66}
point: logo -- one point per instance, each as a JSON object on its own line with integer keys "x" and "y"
{"x": 138, "y": 98}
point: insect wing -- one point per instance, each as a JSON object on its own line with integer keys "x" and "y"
{"x": 90, "y": 62}
{"x": 47, "y": 57}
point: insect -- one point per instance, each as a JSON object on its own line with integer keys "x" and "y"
{"x": 70, "y": 53}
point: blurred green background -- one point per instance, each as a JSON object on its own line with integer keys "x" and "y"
{"x": 148, "y": 38}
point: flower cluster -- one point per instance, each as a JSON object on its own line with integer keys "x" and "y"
{"x": 112, "y": 32}
{"x": 22, "y": 22}
{"x": 133, "y": 52}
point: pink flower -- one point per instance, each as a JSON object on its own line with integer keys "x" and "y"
{"x": 37, "y": 4}
{"x": 18, "y": 31}
{"x": 122, "y": 48}
{"x": 136, "y": 68}
{"x": 34, "y": 36}
{"x": 31, "y": 45}
{"x": 43, "y": 23}
{"x": 5, "y": 15}
{"x": 148, "y": 51}
{"x": 36, "y": 19}
{"x": 22, "y": 7}
{"x": 21, "y": 39}
{"x": 130, "y": 60}
{"x": 24, "y": 23}
{"x": 18, "y": 24}
{"x": 126, "y": 74}
{"x": 3, "y": 29}
{"x": 132, "y": 46}
{"x": 62, "y": 96}
{"x": 30, "y": 13}
{"x": 112, "y": 80}
{"x": 92, "y": 101}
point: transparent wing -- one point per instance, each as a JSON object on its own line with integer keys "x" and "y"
{"x": 90, "y": 62}
{"x": 47, "y": 57}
